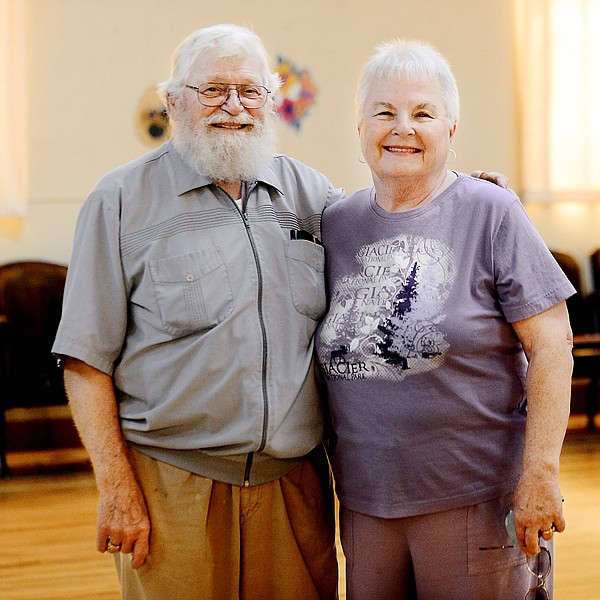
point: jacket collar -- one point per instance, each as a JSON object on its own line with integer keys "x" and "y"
{"x": 188, "y": 179}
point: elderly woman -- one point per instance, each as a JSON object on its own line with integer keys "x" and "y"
{"x": 447, "y": 356}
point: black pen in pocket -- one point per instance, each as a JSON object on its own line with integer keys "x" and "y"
{"x": 300, "y": 234}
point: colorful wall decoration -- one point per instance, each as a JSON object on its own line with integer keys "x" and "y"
{"x": 152, "y": 123}
{"x": 297, "y": 93}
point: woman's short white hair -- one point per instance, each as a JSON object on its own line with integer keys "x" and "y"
{"x": 223, "y": 41}
{"x": 402, "y": 58}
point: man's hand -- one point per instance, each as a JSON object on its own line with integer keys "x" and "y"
{"x": 123, "y": 522}
{"x": 497, "y": 178}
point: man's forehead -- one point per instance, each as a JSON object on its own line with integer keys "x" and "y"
{"x": 213, "y": 68}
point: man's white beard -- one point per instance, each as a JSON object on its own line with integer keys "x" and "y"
{"x": 225, "y": 156}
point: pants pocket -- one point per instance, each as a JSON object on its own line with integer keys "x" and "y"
{"x": 489, "y": 546}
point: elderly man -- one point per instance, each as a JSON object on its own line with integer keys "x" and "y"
{"x": 193, "y": 293}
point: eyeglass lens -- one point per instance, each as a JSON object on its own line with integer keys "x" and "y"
{"x": 540, "y": 564}
{"x": 537, "y": 593}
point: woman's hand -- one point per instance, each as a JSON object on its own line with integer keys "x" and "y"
{"x": 537, "y": 508}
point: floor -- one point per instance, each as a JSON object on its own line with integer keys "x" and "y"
{"x": 47, "y": 527}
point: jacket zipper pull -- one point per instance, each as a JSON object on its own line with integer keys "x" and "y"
{"x": 249, "y": 460}
{"x": 245, "y": 204}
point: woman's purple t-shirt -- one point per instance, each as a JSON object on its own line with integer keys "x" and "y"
{"x": 425, "y": 375}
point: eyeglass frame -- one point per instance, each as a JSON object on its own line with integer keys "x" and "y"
{"x": 229, "y": 87}
{"x": 541, "y": 578}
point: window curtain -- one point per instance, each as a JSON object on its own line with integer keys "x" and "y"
{"x": 558, "y": 74}
{"x": 13, "y": 154}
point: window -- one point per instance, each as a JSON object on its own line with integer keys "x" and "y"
{"x": 13, "y": 171}
{"x": 558, "y": 66}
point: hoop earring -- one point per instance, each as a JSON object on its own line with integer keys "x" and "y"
{"x": 453, "y": 153}
{"x": 361, "y": 158}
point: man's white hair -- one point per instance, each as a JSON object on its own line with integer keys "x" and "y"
{"x": 223, "y": 41}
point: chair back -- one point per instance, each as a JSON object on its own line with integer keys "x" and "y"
{"x": 30, "y": 303}
{"x": 576, "y": 303}
{"x": 595, "y": 260}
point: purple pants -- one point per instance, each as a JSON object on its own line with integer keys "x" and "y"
{"x": 435, "y": 556}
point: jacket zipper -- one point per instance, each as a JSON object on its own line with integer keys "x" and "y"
{"x": 263, "y": 331}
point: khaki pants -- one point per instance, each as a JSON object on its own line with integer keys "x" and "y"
{"x": 214, "y": 541}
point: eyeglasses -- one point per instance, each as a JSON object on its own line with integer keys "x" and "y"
{"x": 216, "y": 94}
{"x": 539, "y": 565}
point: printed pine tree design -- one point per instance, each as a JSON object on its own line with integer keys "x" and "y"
{"x": 389, "y": 347}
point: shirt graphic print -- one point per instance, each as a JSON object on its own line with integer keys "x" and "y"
{"x": 384, "y": 319}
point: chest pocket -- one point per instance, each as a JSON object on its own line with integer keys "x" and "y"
{"x": 192, "y": 291}
{"x": 306, "y": 266}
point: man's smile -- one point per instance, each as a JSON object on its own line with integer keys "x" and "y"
{"x": 231, "y": 125}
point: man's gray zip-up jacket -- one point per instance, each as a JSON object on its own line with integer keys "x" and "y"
{"x": 203, "y": 310}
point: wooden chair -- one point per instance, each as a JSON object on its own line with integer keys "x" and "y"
{"x": 594, "y": 298}
{"x": 586, "y": 347}
{"x": 595, "y": 260}
{"x": 30, "y": 308}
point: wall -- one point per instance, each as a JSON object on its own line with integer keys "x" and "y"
{"x": 90, "y": 61}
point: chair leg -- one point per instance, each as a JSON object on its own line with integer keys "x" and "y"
{"x": 591, "y": 401}
{"x": 4, "y": 470}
